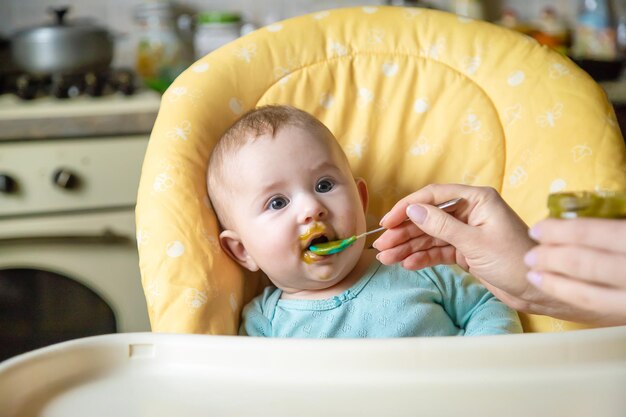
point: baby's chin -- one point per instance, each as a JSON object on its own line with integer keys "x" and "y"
{"x": 328, "y": 277}
{"x": 316, "y": 290}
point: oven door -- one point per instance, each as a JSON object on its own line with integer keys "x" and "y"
{"x": 68, "y": 276}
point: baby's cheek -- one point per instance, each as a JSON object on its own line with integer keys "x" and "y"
{"x": 346, "y": 224}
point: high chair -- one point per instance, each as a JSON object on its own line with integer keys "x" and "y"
{"x": 414, "y": 96}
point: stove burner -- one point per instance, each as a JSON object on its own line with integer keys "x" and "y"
{"x": 67, "y": 86}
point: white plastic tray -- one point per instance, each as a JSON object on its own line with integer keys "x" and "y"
{"x": 580, "y": 373}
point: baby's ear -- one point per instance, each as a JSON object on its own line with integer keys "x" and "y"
{"x": 361, "y": 186}
{"x": 232, "y": 245}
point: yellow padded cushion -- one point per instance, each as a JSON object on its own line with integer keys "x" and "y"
{"x": 414, "y": 97}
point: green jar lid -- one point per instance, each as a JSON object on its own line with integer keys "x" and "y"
{"x": 603, "y": 204}
{"x": 218, "y": 17}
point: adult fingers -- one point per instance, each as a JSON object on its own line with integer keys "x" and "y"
{"x": 585, "y": 264}
{"x": 395, "y": 254}
{"x": 397, "y": 236}
{"x": 399, "y": 252}
{"x": 431, "y": 194}
{"x": 441, "y": 225}
{"x": 607, "y": 234}
{"x": 605, "y": 305}
{"x": 431, "y": 257}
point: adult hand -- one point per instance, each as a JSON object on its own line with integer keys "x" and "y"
{"x": 482, "y": 234}
{"x": 582, "y": 262}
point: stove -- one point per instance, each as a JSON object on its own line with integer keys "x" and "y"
{"x": 82, "y": 116}
{"x": 107, "y": 102}
{"x": 94, "y": 84}
{"x": 69, "y": 172}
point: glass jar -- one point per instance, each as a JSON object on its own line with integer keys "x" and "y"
{"x": 603, "y": 204}
{"x": 215, "y": 29}
{"x": 161, "y": 54}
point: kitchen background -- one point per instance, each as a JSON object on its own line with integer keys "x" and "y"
{"x": 118, "y": 15}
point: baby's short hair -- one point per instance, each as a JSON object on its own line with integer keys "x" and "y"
{"x": 257, "y": 122}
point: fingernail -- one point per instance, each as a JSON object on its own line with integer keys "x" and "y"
{"x": 534, "y": 232}
{"x": 378, "y": 256}
{"x": 374, "y": 244}
{"x": 380, "y": 223}
{"x": 416, "y": 213}
{"x": 534, "y": 278}
{"x": 530, "y": 259}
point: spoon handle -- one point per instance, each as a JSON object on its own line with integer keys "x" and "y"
{"x": 442, "y": 206}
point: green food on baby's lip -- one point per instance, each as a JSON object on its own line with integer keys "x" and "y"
{"x": 330, "y": 248}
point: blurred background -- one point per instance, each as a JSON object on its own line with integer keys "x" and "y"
{"x": 123, "y": 17}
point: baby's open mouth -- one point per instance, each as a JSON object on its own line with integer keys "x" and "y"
{"x": 317, "y": 241}
{"x": 311, "y": 257}
{"x": 316, "y": 233}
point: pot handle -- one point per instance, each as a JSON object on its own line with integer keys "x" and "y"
{"x": 59, "y": 13}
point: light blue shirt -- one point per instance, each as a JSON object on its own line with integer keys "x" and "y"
{"x": 388, "y": 301}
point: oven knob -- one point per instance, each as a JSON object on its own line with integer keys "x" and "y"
{"x": 7, "y": 184}
{"x": 65, "y": 179}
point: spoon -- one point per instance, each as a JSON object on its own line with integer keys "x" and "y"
{"x": 335, "y": 246}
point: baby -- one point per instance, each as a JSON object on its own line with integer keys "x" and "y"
{"x": 280, "y": 182}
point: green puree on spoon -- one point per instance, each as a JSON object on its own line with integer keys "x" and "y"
{"x": 336, "y": 246}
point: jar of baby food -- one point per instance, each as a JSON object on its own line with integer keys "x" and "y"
{"x": 215, "y": 29}
{"x": 603, "y": 204}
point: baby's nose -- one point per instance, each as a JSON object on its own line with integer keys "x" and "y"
{"x": 313, "y": 211}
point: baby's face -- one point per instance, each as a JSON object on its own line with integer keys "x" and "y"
{"x": 288, "y": 191}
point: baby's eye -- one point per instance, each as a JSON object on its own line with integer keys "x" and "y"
{"x": 324, "y": 186}
{"x": 278, "y": 203}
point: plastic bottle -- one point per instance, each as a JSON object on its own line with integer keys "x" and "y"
{"x": 595, "y": 31}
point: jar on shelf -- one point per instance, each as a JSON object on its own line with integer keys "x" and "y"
{"x": 161, "y": 53}
{"x": 215, "y": 29}
{"x": 510, "y": 19}
{"x": 473, "y": 9}
{"x": 551, "y": 30}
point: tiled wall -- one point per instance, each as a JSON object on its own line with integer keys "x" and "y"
{"x": 118, "y": 14}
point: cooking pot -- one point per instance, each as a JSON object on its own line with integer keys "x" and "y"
{"x": 62, "y": 47}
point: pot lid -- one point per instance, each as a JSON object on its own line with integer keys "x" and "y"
{"x": 60, "y": 27}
